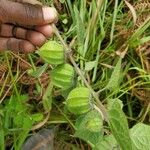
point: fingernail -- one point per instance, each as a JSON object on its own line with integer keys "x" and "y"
{"x": 49, "y": 14}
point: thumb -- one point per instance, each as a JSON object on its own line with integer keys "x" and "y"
{"x": 26, "y": 14}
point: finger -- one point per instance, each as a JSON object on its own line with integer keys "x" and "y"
{"x": 6, "y": 30}
{"x": 34, "y": 2}
{"x": 46, "y": 30}
{"x": 26, "y": 14}
{"x": 36, "y": 38}
{"x": 16, "y": 45}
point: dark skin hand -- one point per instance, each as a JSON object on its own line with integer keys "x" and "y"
{"x": 25, "y": 25}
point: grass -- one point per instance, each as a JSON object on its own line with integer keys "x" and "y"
{"x": 110, "y": 54}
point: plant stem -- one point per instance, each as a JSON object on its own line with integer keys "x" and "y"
{"x": 69, "y": 121}
{"x": 13, "y": 78}
{"x": 79, "y": 72}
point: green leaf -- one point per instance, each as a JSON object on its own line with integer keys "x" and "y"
{"x": 88, "y": 136}
{"x": 57, "y": 118}
{"x": 27, "y": 125}
{"x": 114, "y": 80}
{"x": 140, "y": 135}
{"x": 52, "y": 52}
{"x": 37, "y": 117}
{"x": 47, "y": 98}
{"x": 144, "y": 40}
{"x": 89, "y": 127}
{"x": 2, "y": 139}
{"x": 78, "y": 101}
{"x": 47, "y": 103}
{"x": 39, "y": 71}
{"x": 15, "y": 110}
{"x": 62, "y": 1}
{"x": 107, "y": 143}
{"x": 18, "y": 120}
{"x": 80, "y": 29}
{"x": 118, "y": 124}
{"x": 63, "y": 76}
{"x": 66, "y": 92}
{"x": 89, "y": 65}
{"x": 91, "y": 121}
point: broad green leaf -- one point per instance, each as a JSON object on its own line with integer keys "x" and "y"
{"x": 118, "y": 124}
{"x": 78, "y": 100}
{"x": 114, "y": 80}
{"x": 89, "y": 127}
{"x": 140, "y": 135}
{"x": 63, "y": 76}
{"x": 52, "y": 52}
{"x": 107, "y": 143}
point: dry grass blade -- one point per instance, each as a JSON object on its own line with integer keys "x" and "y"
{"x": 143, "y": 95}
{"x": 143, "y": 51}
{"x": 133, "y": 12}
{"x": 142, "y": 8}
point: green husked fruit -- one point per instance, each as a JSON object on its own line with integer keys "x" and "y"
{"x": 52, "y": 52}
{"x": 63, "y": 76}
{"x": 94, "y": 124}
{"x": 78, "y": 101}
{"x": 91, "y": 121}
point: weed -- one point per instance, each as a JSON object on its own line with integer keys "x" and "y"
{"x": 91, "y": 81}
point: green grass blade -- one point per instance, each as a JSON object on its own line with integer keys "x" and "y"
{"x": 2, "y": 139}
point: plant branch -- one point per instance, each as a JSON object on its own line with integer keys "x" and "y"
{"x": 79, "y": 72}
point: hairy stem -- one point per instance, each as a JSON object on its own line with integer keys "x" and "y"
{"x": 79, "y": 72}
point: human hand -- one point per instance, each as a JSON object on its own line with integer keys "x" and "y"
{"x": 24, "y": 26}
